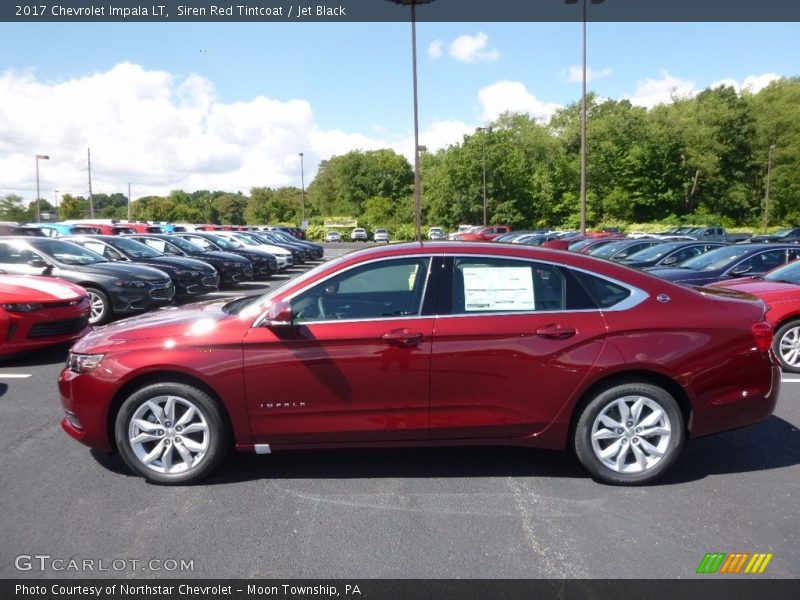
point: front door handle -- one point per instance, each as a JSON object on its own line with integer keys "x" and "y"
{"x": 556, "y": 332}
{"x": 402, "y": 337}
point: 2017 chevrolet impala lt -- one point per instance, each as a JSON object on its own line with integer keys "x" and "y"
{"x": 435, "y": 344}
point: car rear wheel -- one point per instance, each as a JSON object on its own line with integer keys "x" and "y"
{"x": 99, "y": 306}
{"x": 171, "y": 433}
{"x": 787, "y": 346}
{"x": 629, "y": 434}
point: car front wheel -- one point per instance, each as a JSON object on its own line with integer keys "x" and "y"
{"x": 787, "y": 346}
{"x": 171, "y": 433}
{"x": 629, "y": 434}
{"x": 99, "y": 306}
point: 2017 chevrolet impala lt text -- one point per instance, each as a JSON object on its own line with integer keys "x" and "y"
{"x": 430, "y": 344}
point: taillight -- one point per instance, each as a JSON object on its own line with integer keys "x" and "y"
{"x": 762, "y": 332}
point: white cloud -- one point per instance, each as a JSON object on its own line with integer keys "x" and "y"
{"x": 157, "y": 132}
{"x": 752, "y": 83}
{"x": 575, "y": 74}
{"x": 473, "y": 48}
{"x": 435, "y": 49}
{"x": 512, "y": 96}
{"x": 651, "y": 92}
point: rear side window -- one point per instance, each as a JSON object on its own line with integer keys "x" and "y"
{"x": 604, "y": 293}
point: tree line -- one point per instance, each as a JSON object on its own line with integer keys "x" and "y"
{"x": 701, "y": 159}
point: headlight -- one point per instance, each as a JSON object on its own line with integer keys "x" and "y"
{"x": 21, "y": 307}
{"x": 128, "y": 284}
{"x": 228, "y": 265}
{"x": 182, "y": 273}
{"x": 83, "y": 363}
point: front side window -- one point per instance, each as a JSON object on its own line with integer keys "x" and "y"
{"x": 390, "y": 288}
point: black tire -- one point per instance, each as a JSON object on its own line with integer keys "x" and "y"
{"x": 212, "y": 435}
{"x": 98, "y": 298}
{"x": 791, "y": 331}
{"x": 659, "y": 451}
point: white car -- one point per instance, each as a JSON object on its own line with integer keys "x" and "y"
{"x": 381, "y": 235}
{"x": 359, "y": 234}
{"x": 282, "y": 255}
{"x": 333, "y": 236}
{"x": 461, "y": 229}
{"x": 436, "y": 233}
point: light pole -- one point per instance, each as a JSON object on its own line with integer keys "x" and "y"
{"x": 484, "y": 131}
{"x": 583, "y": 112}
{"x": 417, "y": 198}
{"x": 303, "y": 185}
{"x": 766, "y": 195}
{"x": 38, "y": 212}
{"x": 55, "y": 201}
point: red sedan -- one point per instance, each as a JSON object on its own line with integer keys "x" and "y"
{"x": 780, "y": 290}
{"x": 429, "y": 344}
{"x": 40, "y": 311}
{"x": 483, "y": 234}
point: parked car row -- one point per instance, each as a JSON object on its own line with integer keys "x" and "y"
{"x": 130, "y": 274}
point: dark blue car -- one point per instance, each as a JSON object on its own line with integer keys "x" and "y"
{"x": 729, "y": 262}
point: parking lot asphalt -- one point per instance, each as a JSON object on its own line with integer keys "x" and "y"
{"x": 422, "y": 513}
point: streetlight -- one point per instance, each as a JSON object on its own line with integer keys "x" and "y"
{"x": 766, "y": 196}
{"x": 55, "y": 201}
{"x": 303, "y": 184}
{"x": 484, "y": 131}
{"x": 583, "y": 114}
{"x": 417, "y": 200}
{"x": 38, "y": 212}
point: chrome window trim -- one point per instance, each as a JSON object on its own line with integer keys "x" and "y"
{"x": 636, "y": 297}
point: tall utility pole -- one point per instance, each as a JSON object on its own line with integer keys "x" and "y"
{"x": 129, "y": 201}
{"x": 91, "y": 200}
{"x": 766, "y": 196}
{"x": 583, "y": 111}
{"x": 38, "y": 211}
{"x": 484, "y": 131}
{"x": 303, "y": 185}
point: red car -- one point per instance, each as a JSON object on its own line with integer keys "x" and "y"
{"x": 483, "y": 234}
{"x": 449, "y": 343}
{"x": 780, "y": 290}
{"x": 40, "y": 311}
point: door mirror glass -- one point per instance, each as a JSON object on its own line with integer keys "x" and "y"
{"x": 279, "y": 314}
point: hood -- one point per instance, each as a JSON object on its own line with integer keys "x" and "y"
{"x": 227, "y": 256}
{"x": 20, "y": 288}
{"x": 175, "y": 262}
{"x": 122, "y": 270}
{"x": 191, "y": 323}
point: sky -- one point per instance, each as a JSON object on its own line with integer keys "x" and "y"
{"x": 229, "y": 106}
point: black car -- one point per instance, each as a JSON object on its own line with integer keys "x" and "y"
{"x": 621, "y": 249}
{"x": 729, "y": 262}
{"x": 315, "y": 251}
{"x": 231, "y": 267}
{"x": 264, "y": 263}
{"x": 191, "y": 277}
{"x": 790, "y": 235}
{"x": 300, "y": 254}
{"x": 669, "y": 253}
{"x": 113, "y": 288}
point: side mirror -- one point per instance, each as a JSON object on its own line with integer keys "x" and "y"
{"x": 37, "y": 263}
{"x": 670, "y": 261}
{"x": 741, "y": 270}
{"x": 279, "y": 314}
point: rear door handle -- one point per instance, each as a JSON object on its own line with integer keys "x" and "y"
{"x": 402, "y": 337}
{"x": 556, "y": 332}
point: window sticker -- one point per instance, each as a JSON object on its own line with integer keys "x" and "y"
{"x": 498, "y": 288}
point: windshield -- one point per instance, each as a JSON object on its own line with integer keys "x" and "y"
{"x": 135, "y": 249}
{"x": 607, "y": 250}
{"x": 225, "y": 243}
{"x": 184, "y": 245}
{"x": 652, "y": 252}
{"x": 716, "y": 259}
{"x": 69, "y": 253}
{"x": 243, "y": 239}
{"x": 789, "y": 273}
{"x": 783, "y": 232}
